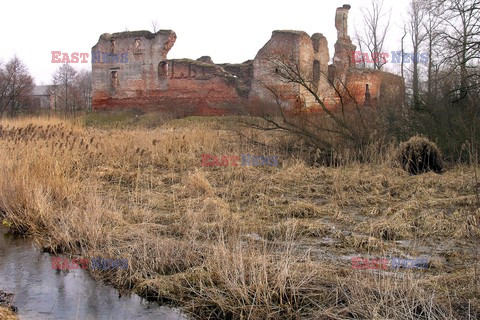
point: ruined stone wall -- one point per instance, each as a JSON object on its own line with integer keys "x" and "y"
{"x": 320, "y": 69}
{"x": 201, "y": 87}
{"x": 150, "y": 81}
{"x": 344, "y": 47}
{"x": 382, "y": 86}
{"x": 289, "y": 49}
{"x": 131, "y": 77}
{"x": 284, "y": 48}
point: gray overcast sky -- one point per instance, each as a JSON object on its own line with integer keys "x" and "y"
{"x": 225, "y": 30}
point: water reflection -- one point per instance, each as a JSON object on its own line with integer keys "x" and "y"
{"x": 43, "y": 293}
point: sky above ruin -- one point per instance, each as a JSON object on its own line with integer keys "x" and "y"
{"x": 225, "y": 30}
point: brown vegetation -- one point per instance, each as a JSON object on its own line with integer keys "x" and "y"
{"x": 243, "y": 242}
{"x": 7, "y": 309}
{"x": 419, "y": 155}
{"x": 7, "y": 314}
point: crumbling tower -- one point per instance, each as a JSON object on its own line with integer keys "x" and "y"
{"x": 344, "y": 48}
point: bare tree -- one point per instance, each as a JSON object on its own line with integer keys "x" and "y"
{"x": 16, "y": 85}
{"x": 418, "y": 35}
{"x": 451, "y": 30}
{"x": 462, "y": 37}
{"x": 84, "y": 89}
{"x": 432, "y": 27}
{"x": 359, "y": 60}
{"x": 330, "y": 128}
{"x": 65, "y": 81}
{"x": 375, "y": 31}
{"x": 403, "y": 51}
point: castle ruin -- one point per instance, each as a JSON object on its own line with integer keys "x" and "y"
{"x": 150, "y": 81}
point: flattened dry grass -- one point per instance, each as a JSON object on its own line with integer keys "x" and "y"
{"x": 7, "y": 314}
{"x": 242, "y": 242}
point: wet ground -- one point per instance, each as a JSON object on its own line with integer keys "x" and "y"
{"x": 44, "y": 293}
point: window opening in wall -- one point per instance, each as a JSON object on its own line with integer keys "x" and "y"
{"x": 163, "y": 69}
{"x": 137, "y": 45}
{"x": 114, "y": 78}
{"x": 316, "y": 70}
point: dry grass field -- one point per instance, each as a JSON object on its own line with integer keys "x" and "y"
{"x": 243, "y": 242}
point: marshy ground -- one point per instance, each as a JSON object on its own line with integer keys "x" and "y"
{"x": 243, "y": 242}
